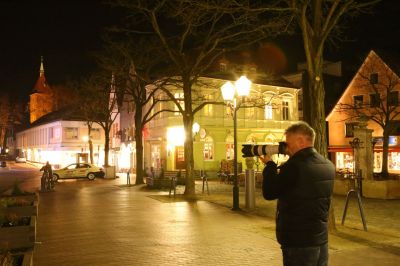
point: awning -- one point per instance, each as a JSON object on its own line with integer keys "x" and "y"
{"x": 334, "y": 149}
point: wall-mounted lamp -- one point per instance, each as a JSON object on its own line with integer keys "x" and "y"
{"x": 195, "y": 128}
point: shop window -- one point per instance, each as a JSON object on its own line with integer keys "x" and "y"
{"x": 374, "y": 100}
{"x": 344, "y": 160}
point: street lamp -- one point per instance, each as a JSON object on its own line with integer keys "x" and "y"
{"x": 228, "y": 90}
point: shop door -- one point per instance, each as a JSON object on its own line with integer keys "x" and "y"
{"x": 179, "y": 157}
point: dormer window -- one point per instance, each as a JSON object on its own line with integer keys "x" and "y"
{"x": 373, "y": 78}
{"x": 222, "y": 67}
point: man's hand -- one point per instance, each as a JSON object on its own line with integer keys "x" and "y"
{"x": 265, "y": 158}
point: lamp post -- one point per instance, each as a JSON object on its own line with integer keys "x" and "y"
{"x": 228, "y": 90}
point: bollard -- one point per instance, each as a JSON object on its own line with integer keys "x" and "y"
{"x": 250, "y": 186}
{"x": 128, "y": 179}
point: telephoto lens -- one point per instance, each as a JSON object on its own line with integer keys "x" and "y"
{"x": 249, "y": 150}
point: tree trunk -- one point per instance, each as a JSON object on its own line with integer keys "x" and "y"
{"x": 316, "y": 112}
{"x": 190, "y": 189}
{"x": 314, "y": 95}
{"x": 385, "y": 153}
{"x": 139, "y": 145}
{"x": 106, "y": 146}
{"x": 89, "y": 124}
{"x": 91, "y": 151}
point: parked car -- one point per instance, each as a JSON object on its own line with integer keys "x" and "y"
{"x": 3, "y": 164}
{"x": 20, "y": 159}
{"x": 77, "y": 170}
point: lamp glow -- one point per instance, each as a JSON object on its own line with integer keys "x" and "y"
{"x": 243, "y": 85}
{"x": 228, "y": 91}
{"x": 196, "y": 128}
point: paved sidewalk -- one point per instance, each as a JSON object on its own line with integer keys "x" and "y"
{"x": 105, "y": 223}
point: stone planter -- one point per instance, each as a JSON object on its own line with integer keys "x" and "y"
{"x": 385, "y": 189}
{"x": 341, "y": 187}
{"x": 109, "y": 172}
{"x": 19, "y": 236}
{"x": 17, "y": 258}
{"x": 23, "y": 210}
{"x": 382, "y": 189}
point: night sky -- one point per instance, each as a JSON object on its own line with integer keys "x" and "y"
{"x": 65, "y": 31}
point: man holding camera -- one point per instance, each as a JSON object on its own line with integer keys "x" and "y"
{"x": 303, "y": 186}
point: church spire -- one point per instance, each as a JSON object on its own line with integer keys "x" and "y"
{"x": 41, "y": 66}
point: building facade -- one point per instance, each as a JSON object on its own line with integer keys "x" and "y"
{"x": 372, "y": 95}
{"x": 275, "y": 107}
{"x": 60, "y": 142}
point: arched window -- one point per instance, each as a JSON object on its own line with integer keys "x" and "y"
{"x": 229, "y": 147}
{"x": 208, "y": 150}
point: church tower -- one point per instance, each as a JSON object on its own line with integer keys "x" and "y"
{"x": 41, "y": 98}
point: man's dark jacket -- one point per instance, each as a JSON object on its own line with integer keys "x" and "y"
{"x": 303, "y": 188}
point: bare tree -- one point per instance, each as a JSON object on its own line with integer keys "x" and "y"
{"x": 382, "y": 85}
{"x": 98, "y": 102}
{"x": 320, "y": 21}
{"x": 193, "y": 34}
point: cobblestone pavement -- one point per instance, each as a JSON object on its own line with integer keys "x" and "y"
{"x": 106, "y": 223}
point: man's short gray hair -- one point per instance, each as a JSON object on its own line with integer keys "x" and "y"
{"x": 302, "y": 128}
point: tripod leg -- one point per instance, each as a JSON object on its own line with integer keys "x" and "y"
{"x": 360, "y": 207}
{"x": 346, "y": 205}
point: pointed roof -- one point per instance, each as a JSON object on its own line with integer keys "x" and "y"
{"x": 41, "y": 85}
{"x": 387, "y": 58}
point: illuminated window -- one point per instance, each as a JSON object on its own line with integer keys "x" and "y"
{"x": 179, "y": 96}
{"x": 208, "y": 109}
{"x": 95, "y": 133}
{"x": 285, "y": 110}
{"x": 250, "y": 113}
{"x": 229, "y": 151}
{"x": 71, "y": 133}
{"x": 268, "y": 112}
{"x": 208, "y": 151}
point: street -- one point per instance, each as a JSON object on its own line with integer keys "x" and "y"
{"x": 104, "y": 222}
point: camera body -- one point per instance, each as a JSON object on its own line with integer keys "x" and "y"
{"x": 250, "y": 150}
